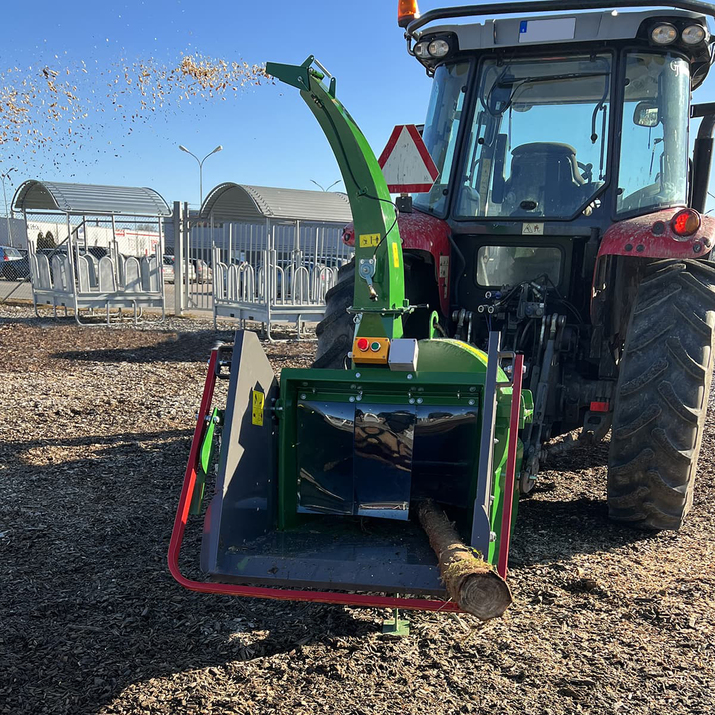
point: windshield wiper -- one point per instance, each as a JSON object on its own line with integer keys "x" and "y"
{"x": 512, "y": 84}
{"x": 511, "y": 81}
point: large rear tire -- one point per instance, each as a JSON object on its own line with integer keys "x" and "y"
{"x": 335, "y": 331}
{"x": 662, "y": 396}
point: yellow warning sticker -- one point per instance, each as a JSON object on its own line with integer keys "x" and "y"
{"x": 395, "y": 255}
{"x": 369, "y": 239}
{"x": 258, "y": 400}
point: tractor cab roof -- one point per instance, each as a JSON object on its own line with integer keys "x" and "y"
{"x": 569, "y": 24}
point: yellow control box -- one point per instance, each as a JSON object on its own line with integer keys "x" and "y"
{"x": 371, "y": 351}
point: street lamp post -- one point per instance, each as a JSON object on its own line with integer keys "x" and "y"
{"x": 201, "y": 169}
{"x": 4, "y": 176}
{"x": 320, "y": 186}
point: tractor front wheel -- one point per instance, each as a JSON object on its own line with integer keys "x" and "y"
{"x": 335, "y": 331}
{"x": 662, "y": 396}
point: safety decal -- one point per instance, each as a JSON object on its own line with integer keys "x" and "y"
{"x": 257, "y": 412}
{"x": 532, "y": 229}
{"x": 369, "y": 239}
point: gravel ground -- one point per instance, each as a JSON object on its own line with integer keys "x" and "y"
{"x": 95, "y": 434}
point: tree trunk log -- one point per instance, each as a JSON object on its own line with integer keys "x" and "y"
{"x": 470, "y": 581}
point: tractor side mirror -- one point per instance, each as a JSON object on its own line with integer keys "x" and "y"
{"x": 646, "y": 114}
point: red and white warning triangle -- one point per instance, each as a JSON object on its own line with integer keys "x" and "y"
{"x": 406, "y": 163}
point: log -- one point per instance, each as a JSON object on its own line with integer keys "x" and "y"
{"x": 470, "y": 581}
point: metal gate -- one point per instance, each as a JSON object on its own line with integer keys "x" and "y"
{"x": 191, "y": 261}
{"x": 269, "y": 271}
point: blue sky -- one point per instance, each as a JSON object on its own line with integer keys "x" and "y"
{"x": 269, "y": 136}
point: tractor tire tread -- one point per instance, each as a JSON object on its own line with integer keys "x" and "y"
{"x": 335, "y": 330}
{"x": 662, "y": 395}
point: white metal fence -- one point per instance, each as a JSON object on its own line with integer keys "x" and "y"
{"x": 269, "y": 271}
{"x": 87, "y": 264}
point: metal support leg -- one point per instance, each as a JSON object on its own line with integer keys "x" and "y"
{"x": 396, "y": 627}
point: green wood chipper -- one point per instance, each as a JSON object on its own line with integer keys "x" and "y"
{"x": 562, "y": 253}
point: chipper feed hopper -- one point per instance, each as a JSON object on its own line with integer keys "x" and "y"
{"x": 563, "y": 248}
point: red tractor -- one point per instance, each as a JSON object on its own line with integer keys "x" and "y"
{"x": 568, "y": 215}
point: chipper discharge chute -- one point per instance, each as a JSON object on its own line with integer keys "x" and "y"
{"x": 395, "y": 475}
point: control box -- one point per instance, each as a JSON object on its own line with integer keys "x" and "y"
{"x": 371, "y": 351}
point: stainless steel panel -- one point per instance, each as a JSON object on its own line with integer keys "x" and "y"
{"x": 384, "y": 441}
{"x": 325, "y": 456}
{"x": 355, "y": 461}
{"x": 444, "y": 462}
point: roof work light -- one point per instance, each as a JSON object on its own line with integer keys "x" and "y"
{"x": 693, "y": 34}
{"x": 664, "y": 34}
{"x": 407, "y": 11}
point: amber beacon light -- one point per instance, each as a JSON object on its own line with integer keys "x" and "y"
{"x": 407, "y": 11}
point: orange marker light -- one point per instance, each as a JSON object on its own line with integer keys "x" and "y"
{"x": 686, "y": 222}
{"x": 363, "y": 344}
{"x": 407, "y": 11}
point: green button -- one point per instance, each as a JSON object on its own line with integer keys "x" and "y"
{"x": 375, "y": 347}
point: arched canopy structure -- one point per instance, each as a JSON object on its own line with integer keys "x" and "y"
{"x": 239, "y": 202}
{"x": 94, "y": 247}
{"x": 275, "y": 252}
{"x": 94, "y": 199}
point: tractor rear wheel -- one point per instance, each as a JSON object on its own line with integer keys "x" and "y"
{"x": 662, "y": 396}
{"x": 335, "y": 331}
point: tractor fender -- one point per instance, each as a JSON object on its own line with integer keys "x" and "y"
{"x": 651, "y": 236}
{"x": 423, "y": 233}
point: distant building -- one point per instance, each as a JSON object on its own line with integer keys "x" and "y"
{"x": 14, "y": 235}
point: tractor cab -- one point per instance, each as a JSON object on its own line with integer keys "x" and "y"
{"x": 581, "y": 119}
{"x": 558, "y": 139}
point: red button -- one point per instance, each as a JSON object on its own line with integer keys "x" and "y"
{"x": 363, "y": 344}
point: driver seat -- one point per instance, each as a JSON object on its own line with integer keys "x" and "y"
{"x": 545, "y": 173}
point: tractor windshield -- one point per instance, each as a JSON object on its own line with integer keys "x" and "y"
{"x": 537, "y": 146}
{"x": 653, "y": 170}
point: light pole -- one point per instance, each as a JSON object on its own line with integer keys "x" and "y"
{"x": 312, "y": 181}
{"x": 4, "y": 176}
{"x": 201, "y": 169}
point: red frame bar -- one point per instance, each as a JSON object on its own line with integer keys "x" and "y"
{"x": 509, "y": 478}
{"x": 346, "y": 599}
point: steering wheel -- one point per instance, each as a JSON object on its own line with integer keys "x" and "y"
{"x": 587, "y": 170}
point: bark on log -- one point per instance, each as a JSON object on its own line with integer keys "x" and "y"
{"x": 470, "y": 581}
